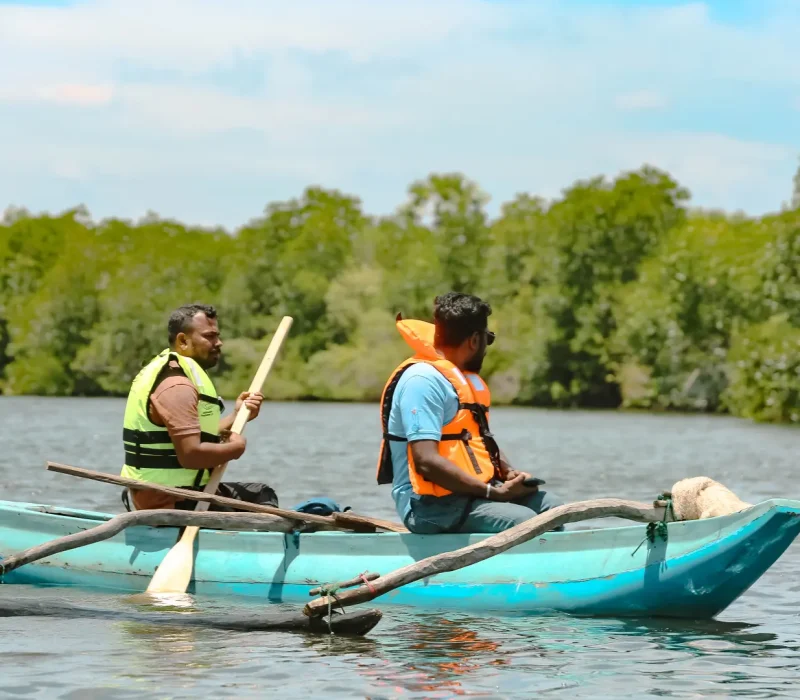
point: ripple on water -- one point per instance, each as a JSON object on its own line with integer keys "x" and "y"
{"x": 752, "y": 650}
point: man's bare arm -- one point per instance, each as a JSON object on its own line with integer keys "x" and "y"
{"x": 175, "y": 403}
{"x": 441, "y": 471}
{"x": 193, "y": 454}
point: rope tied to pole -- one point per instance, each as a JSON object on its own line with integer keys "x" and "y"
{"x": 658, "y": 528}
{"x": 363, "y": 577}
{"x": 329, "y": 590}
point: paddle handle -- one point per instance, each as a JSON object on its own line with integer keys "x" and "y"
{"x": 263, "y": 371}
{"x": 243, "y": 414}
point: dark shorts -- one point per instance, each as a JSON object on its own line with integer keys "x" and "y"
{"x": 242, "y": 491}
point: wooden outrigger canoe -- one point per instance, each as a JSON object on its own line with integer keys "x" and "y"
{"x": 703, "y": 566}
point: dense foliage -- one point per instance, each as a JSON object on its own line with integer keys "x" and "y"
{"x": 615, "y": 294}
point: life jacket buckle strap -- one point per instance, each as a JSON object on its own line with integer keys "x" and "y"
{"x": 473, "y": 459}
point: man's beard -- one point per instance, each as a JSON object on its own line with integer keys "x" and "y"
{"x": 474, "y": 364}
{"x": 209, "y": 362}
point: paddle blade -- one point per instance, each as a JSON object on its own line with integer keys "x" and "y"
{"x": 175, "y": 571}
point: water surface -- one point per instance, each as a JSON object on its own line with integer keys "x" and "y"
{"x": 751, "y": 650}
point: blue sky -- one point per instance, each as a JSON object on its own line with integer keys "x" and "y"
{"x": 206, "y": 111}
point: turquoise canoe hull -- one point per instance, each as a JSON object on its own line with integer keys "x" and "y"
{"x": 699, "y": 571}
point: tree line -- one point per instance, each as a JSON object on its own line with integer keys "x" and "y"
{"x": 615, "y": 294}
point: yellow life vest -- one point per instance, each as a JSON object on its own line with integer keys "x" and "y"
{"x": 466, "y": 440}
{"x": 149, "y": 453}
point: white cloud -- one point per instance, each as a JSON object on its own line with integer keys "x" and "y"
{"x": 67, "y": 170}
{"x": 79, "y": 94}
{"x": 641, "y": 99}
{"x": 717, "y": 168}
{"x": 361, "y": 94}
{"x": 192, "y": 110}
{"x": 195, "y": 34}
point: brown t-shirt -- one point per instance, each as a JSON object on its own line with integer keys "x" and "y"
{"x": 173, "y": 404}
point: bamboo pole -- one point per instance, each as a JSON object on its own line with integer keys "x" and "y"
{"x": 151, "y": 518}
{"x": 341, "y": 521}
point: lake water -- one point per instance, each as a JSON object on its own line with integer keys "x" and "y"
{"x": 751, "y": 650}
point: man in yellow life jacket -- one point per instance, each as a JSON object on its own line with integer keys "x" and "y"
{"x": 173, "y": 432}
{"x": 447, "y": 472}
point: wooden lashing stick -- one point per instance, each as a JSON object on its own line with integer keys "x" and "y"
{"x": 496, "y": 544}
{"x": 344, "y": 584}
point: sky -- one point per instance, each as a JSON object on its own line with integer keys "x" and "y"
{"x": 206, "y": 111}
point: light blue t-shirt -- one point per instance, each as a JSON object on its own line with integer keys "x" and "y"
{"x": 423, "y": 403}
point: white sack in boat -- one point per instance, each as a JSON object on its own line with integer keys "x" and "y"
{"x": 701, "y": 497}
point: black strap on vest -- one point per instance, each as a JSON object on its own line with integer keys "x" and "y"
{"x": 141, "y": 457}
{"x": 199, "y": 478}
{"x": 143, "y": 460}
{"x": 481, "y": 415}
{"x": 464, "y": 435}
{"x": 385, "y": 466}
{"x": 215, "y": 400}
{"x": 156, "y": 437}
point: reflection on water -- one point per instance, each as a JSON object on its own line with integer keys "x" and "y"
{"x": 752, "y": 650}
{"x": 162, "y": 602}
{"x": 435, "y": 655}
{"x": 412, "y": 655}
{"x": 440, "y": 653}
{"x": 170, "y": 642}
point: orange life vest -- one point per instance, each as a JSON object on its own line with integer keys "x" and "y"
{"x": 466, "y": 440}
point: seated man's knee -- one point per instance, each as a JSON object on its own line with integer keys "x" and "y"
{"x": 541, "y": 502}
{"x": 497, "y": 517}
{"x": 550, "y": 500}
{"x": 506, "y": 522}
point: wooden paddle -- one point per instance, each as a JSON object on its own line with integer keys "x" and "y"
{"x": 342, "y": 521}
{"x": 175, "y": 572}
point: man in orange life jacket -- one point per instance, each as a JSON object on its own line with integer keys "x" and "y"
{"x": 446, "y": 470}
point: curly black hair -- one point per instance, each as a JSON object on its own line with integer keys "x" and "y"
{"x": 457, "y": 316}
